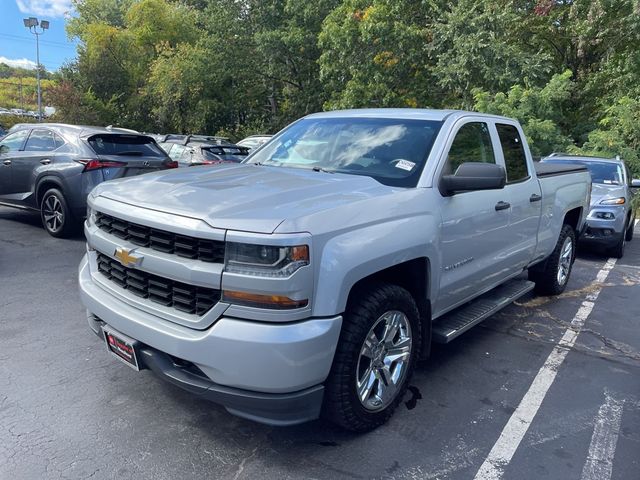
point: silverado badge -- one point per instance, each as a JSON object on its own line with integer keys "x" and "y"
{"x": 127, "y": 257}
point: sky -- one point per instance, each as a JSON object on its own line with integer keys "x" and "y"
{"x": 18, "y": 46}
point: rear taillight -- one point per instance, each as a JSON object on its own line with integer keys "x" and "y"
{"x": 172, "y": 164}
{"x": 95, "y": 164}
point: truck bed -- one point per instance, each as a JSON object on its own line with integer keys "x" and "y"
{"x": 551, "y": 169}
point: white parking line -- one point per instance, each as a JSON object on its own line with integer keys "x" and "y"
{"x": 603, "y": 441}
{"x": 517, "y": 426}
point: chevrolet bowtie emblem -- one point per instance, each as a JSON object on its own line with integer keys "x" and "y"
{"x": 127, "y": 257}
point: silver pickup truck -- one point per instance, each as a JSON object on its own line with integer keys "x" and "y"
{"x": 308, "y": 280}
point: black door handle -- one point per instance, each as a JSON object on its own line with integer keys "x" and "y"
{"x": 502, "y": 205}
{"x": 7, "y": 162}
{"x": 535, "y": 197}
{"x": 45, "y": 161}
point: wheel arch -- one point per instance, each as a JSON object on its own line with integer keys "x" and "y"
{"x": 573, "y": 218}
{"x": 45, "y": 184}
{"x": 415, "y": 277}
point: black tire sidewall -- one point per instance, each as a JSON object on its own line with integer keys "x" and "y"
{"x": 546, "y": 279}
{"x": 359, "y": 317}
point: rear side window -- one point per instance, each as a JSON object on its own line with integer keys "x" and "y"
{"x": 177, "y": 151}
{"x": 471, "y": 144}
{"x": 514, "y": 157}
{"x": 41, "y": 141}
{"x": 125, "y": 145}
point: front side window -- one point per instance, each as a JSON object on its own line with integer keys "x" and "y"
{"x": 472, "y": 143}
{"x": 392, "y": 151}
{"x": 41, "y": 141}
{"x": 13, "y": 142}
{"x": 514, "y": 157}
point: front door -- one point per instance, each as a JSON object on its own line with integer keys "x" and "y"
{"x": 10, "y": 150}
{"x": 37, "y": 153}
{"x": 474, "y": 225}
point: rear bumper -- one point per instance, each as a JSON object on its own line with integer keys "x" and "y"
{"x": 268, "y": 372}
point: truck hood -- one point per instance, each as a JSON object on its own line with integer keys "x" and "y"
{"x": 601, "y": 192}
{"x": 243, "y": 197}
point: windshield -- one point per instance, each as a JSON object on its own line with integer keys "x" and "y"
{"x": 605, "y": 173}
{"x": 392, "y": 151}
{"x": 134, "y": 145}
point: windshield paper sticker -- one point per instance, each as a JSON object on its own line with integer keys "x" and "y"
{"x": 405, "y": 165}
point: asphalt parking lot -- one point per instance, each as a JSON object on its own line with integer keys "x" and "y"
{"x": 502, "y": 401}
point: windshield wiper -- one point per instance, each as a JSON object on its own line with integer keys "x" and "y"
{"x": 320, "y": 169}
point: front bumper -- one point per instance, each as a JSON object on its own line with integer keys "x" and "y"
{"x": 601, "y": 232}
{"x": 267, "y": 372}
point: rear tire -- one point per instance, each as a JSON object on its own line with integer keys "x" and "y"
{"x": 552, "y": 276}
{"x": 375, "y": 357}
{"x": 55, "y": 214}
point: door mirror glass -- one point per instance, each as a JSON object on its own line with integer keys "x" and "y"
{"x": 473, "y": 176}
{"x": 635, "y": 183}
{"x": 3, "y": 149}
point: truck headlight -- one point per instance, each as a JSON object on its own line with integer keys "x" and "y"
{"x": 613, "y": 201}
{"x": 265, "y": 260}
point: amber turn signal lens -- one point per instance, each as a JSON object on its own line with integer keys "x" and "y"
{"x": 300, "y": 253}
{"x": 262, "y": 301}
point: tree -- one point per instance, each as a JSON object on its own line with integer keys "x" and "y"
{"x": 539, "y": 110}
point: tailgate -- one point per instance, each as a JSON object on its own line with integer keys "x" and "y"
{"x": 127, "y": 154}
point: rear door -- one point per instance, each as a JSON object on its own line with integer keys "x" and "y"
{"x": 10, "y": 152}
{"x": 126, "y": 155}
{"x": 524, "y": 196}
{"x": 39, "y": 151}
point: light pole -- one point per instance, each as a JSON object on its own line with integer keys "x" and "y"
{"x": 32, "y": 24}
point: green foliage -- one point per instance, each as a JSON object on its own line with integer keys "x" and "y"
{"x": 18, "y": 87}
{"x": 618, "y": 134}
{"x": 569, "y": 71}
{"x": 539, "y": 109}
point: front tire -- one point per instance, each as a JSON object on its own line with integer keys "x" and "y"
{"x": 618, "y": 250}
{"x": 55, "y": 214}
{"x": 375, "y": 357}
{"x": 552, "y": 276}
{"x": 629, "y": 233}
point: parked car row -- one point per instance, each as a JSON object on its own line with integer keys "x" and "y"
{"x": 20, "y": 112}
{"x": 321, "y": 266}
{"x": 51, "y": 168}
{"x": 308, "y": 280}
{"x": 194, "y": 150}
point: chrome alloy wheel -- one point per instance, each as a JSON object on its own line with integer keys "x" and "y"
{"x": 383, "y": 360}
{"x": 564, "y": 265}
{"x": 53, "y": 213}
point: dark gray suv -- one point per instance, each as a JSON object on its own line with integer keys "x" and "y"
{"x": 53, "y": 167}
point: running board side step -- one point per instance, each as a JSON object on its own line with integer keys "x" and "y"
{"x": 458, "y": 321}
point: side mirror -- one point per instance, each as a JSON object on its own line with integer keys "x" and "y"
{"x": 3, "y": 149}
{"x": 635, "y": 183}
{"x": 474, "y": 176}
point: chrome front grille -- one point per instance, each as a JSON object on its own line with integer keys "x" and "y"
{"x": 168, "y": 242}
{"x": 170, "y": 293}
